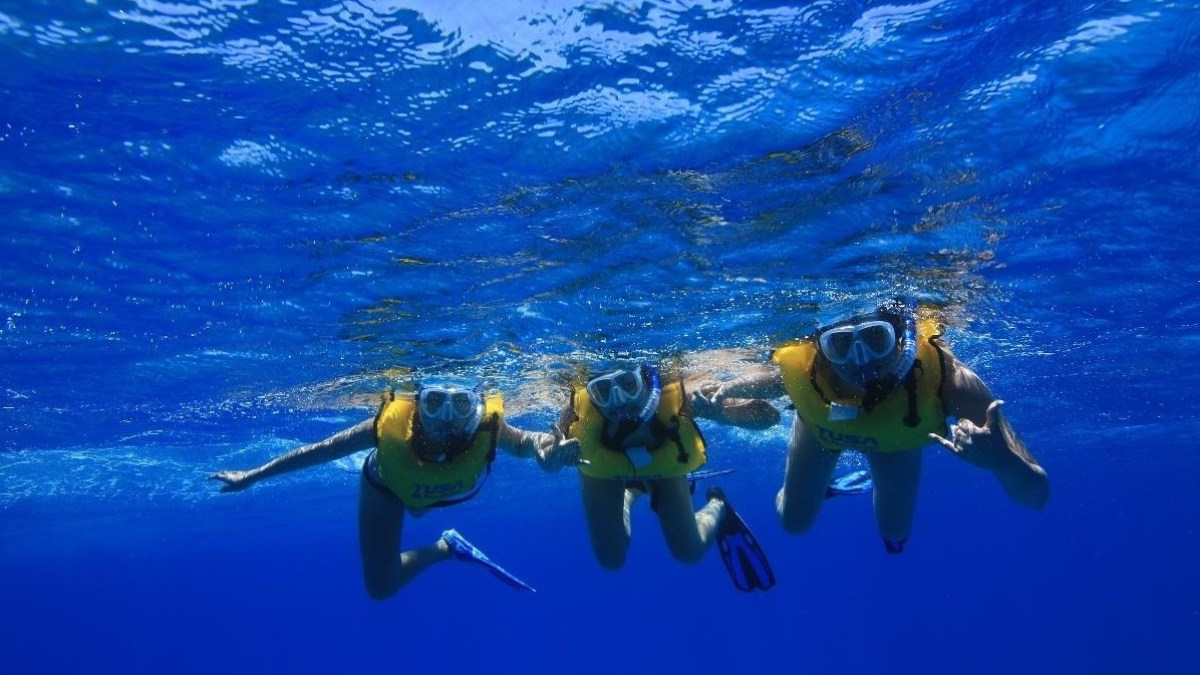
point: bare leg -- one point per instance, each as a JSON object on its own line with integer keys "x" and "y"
{"x": 896, "y": 477}
{"x": 606, "y": 508}
{"x": 380, "y": 524}
{"x": 688, "y": 535}
{"x": 631, "y": 497}
{"x": 809, "y": 469}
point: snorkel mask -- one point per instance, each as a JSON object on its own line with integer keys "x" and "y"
{"x": 873, "y": 352}
{"x": 618, "y": 394}
{"x": 449, "y": 412}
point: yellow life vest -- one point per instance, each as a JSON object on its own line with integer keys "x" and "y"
{"x": 884, "y": 428}
{"x": 419, "y": 483}
{"x": 680, "y": 450}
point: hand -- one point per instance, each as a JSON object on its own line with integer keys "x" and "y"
{"x": 568, "y": 452}
{"x": 707, "y": 400}
{"x": 233, "y": 480}
{"x": 976, "y": 444}
{"x": 555, "y": 451}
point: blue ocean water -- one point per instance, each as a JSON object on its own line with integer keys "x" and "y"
{"x": 230, "y": 224}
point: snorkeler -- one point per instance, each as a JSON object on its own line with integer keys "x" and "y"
{"x": 636, "y": 436}
{"x": 884, "y": 384}
{"x": 432, "y": 448}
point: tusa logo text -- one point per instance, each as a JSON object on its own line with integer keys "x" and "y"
{"x": 438, "y": 490}
{"x": 831, "y": 437}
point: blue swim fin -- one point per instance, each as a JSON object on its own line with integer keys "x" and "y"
{"x": 854, "y": 483}
{"x": 465, "y": 551}
{"x": 744, "y": 559}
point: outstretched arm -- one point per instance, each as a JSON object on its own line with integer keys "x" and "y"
{"x": 552, "y": 453}
{"x": 742, "y": 401}
{"x": 348, "y": 441}
{"x": 984, "y": 437}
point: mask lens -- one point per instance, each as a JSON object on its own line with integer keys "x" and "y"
{"x": 600, "y": 391}
{"x": 432, "y": 402}
{"x": 837, "y": 344}
{"x": 630, "y": 384}
{"x": 879, "y": 338}
{"x": 463, "y": 404}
